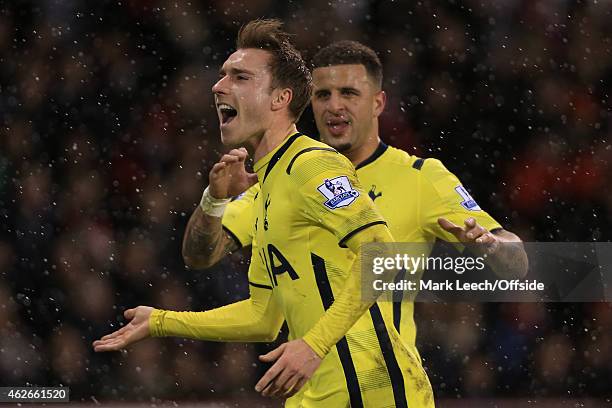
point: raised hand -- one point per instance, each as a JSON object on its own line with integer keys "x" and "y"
{"x": 229, "y": 177}
{"x": 137, "y": 329}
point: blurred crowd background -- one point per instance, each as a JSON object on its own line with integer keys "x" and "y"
{"x": 108, "y": 131}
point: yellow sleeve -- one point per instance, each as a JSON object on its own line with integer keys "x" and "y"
{"x": 332, "y": 196}
{"x": 442, "y": 195}
{"x": 239, "y": 217}
{"x": 257, "y": 318}
{"x": 349, "y": 306}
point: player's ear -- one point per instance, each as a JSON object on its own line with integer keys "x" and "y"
{"x": 380, "y": 100}
{"x": 281, "y": 98}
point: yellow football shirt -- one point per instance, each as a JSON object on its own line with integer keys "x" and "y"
{"x": 410, "y": 192}
{"x": 309, "y": 204}
{"x": 299, "y": 266}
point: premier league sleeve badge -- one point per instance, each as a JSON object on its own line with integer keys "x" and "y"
{"x": 338, "y": 191}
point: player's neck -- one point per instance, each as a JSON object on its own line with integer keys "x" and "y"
{"x": 272, "y": 138}
{"x": 361, "y": 153}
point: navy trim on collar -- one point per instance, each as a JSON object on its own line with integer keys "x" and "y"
{"x": 279, "y": 153}
{"x": 382, "y": 147}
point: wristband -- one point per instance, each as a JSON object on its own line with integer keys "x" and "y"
{"x": 215, "y": 207}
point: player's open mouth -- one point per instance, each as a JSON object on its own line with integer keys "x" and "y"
{"x": 227, "y": 113}
{"x": 337, "y": 126}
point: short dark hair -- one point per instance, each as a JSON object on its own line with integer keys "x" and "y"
{"x": 287, "y": 65}
{"x": 347, "y": 52}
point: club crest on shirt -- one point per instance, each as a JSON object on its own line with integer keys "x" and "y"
{"x": 373, "y": 194}
{"x": 338, "y": 191}
{"x": 468, "y": 202}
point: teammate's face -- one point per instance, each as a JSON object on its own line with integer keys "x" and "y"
{"x": 243, "y": 96}
{"x": 346, "y": 104}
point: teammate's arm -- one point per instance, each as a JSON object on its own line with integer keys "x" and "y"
{"x": 257, "y": 319}
{"x": 205, "y": 241}
{"x": 504, "y": 250}
{"x": 447, "y": 211}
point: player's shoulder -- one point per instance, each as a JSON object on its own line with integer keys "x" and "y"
{"x": 397, "y": 157}
{"x": 433, "y": 169}
{"x": 409, "y": 164}
{"x": 428, "y": 168}
{"x": 309, "y": 147}
{"x": 437, "y": 177}
{"x": 310, "y": 157}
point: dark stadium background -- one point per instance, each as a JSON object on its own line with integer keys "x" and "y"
{"x": 107, "y": 133}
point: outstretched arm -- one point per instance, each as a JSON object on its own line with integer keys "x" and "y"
{"x": 255, "y": 319}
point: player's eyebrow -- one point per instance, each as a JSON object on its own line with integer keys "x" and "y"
{"x": 235, "y": 71}
{"x": 349, "y": 89}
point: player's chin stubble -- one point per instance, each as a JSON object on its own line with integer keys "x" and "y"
{"x": 340, "y": 146}
{"x": 344, "y": 147}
